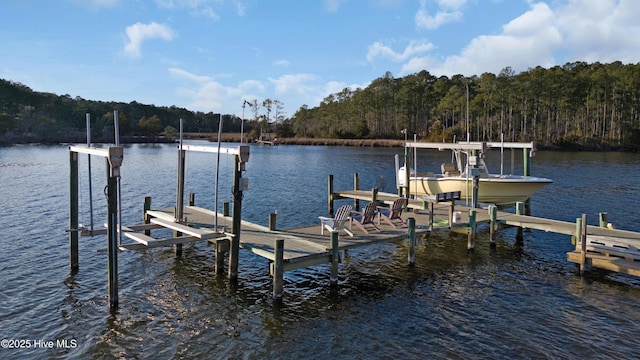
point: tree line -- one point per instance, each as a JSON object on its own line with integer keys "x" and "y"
{"x": 577, "y": 105}
{"x": 28, "y": 116}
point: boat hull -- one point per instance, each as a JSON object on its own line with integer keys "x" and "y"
{"x": 499, "y": 190}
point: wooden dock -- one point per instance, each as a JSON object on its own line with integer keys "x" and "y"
{"x": 300, "y": 247}
{"x": 611, "y": 249}
{"x": 286, "y": 250}
{"x": 303, "y": 246}
{"x": 596, "y": 246}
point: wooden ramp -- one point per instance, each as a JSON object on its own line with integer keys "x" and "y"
{"x": 164, "y": 219}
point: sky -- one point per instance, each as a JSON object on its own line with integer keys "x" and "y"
{"x": 212, "y": 55}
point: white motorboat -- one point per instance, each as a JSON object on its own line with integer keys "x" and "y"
{"x": 468, "y": 163}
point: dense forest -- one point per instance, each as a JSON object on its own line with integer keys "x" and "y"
{"x": 28, "y": 116}
{"x": 578, "y": 105}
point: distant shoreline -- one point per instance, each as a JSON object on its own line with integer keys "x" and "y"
{"x": 235, "y": 138}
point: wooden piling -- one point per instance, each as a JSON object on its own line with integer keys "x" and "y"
{"x": 221, "y": 247}
{"x": 411, "y": 225}
{"x": 177, "y": 248}
{"x": 234, "y": 249}
{"x": 192, "y": 199}
{"x": 356, "y": 186}
{"x": 576, "y": 238}
{"x": 471, "y": 231}
{"x": 493, "y": 225}
{"x": 583, "y": 244}
{"x": 519, "y": 230}
{"x": 431, "y": 210}
{"x": 273, "y": 220}
{"x": 278, "y": 270}
{"x": 330, "y": 195}
{"x": 179, "y": 209}
{"x": 73, "y": 211}
{"x": 225, "y": 208}
{"x": 335, "y": 259}
{"x": 145, "y": 218}
{"x": 604, "y": 219}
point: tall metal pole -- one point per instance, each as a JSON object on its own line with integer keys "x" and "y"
{"x": 112, "y": 205}
{"x": 406, "y": 165}
{"x": 244, "y": 103}
{"x": 116, "y": 126}
{"x": 218, "y": 172}
{"x": 88, "y": 118}
{"x": 468, "y": 132}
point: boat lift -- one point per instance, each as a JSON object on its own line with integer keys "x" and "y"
{"x": 472, "y": 166}
{"x": 114, "y": 229}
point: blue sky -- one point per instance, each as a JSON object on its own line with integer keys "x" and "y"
{"x": 211, "y": 55}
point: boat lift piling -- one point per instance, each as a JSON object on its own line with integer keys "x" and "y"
{"x": 179, "y": 209}
{"x": 114, "y": 156}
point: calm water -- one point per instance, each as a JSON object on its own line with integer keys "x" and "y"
{"x": 511, "y": 302}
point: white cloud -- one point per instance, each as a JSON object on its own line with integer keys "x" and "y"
{"x": 295, "y": 83}
{"x": 196, "y": 7}
{"x": 332, "y": 5}
{"x": 452, "y": 4}
{"x": 527, "y": 41}
{"x": 548, "y": 34}
{"x": 606, "y": 30}
{"x": 210, "y": 13}
{"x": 379, "y": 50}
{"x": 418, "y": 64}
{"x": 241, "y": 9}
{"x": 217, "y": 94}
{"x": 207, "y": 94}
{"x": 281, "y": 62}
{"x": 424, "y": 20}
{"x": 95, "y": 4}
{"x": 139, "y": 32}
{"x": 448, "y": 11}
